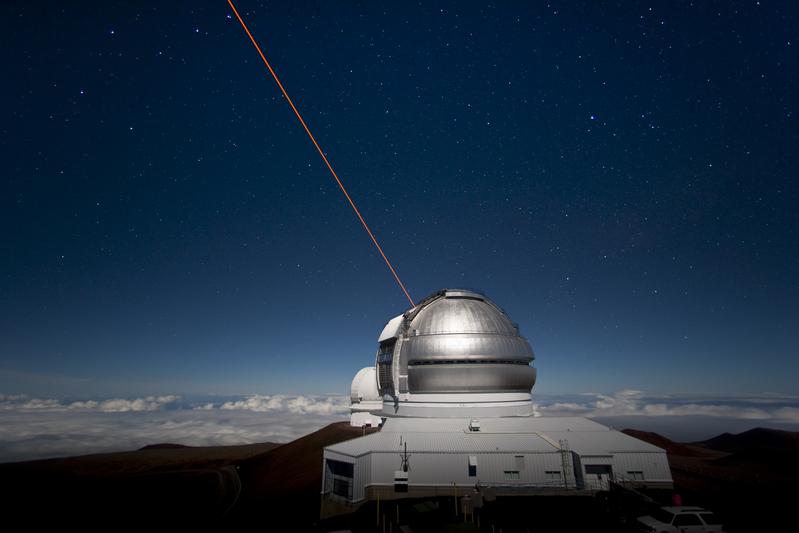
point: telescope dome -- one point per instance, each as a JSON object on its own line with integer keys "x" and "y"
{"x": 456, "y": 347}
{"x": 364, "y": 386}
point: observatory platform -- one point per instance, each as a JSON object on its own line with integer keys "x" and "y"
{"x": 451, "y": 389}
{"x": 506, "y": 455}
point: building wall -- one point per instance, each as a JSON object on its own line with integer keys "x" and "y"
{"x": 592, "y": 481}
{"x": 436, "y": 468}
{"x": 442, "y": 469}
{"x": 655, "y": 466}
{"x": 361, "y": 473}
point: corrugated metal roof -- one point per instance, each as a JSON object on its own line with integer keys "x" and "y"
{"x": 445, "y": 442}
{"x": 602, "y": 442}
{"x": 496, "y": 435}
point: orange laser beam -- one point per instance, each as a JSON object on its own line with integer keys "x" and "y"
{"x": 321, "y": 153}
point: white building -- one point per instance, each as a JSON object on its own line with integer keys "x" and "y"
{"x": 452, "y": 387}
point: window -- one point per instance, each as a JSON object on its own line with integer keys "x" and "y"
{"x": 338, "y": 477}
{"x": 635, "y": 475}
{"x": 512, "y": 474}
{"x": 341, "y": 487}
{"x": 553, "y": 476}
{"x": 662, "y": 516}
{"x": 597, "y": 469}
{"x": 340, "y": 468}
{"x": 687, "y": 520}
{"x": 710, "y": 519}
{"x": 472, "y": 465}
{"x": 519, "y": 460}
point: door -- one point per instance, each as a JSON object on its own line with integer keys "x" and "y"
{"x": 597, "y": 477}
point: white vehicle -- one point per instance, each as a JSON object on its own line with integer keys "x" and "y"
{"x": 683, "y": 519}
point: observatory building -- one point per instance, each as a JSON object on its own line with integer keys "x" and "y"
{"x": 451, "y": 391}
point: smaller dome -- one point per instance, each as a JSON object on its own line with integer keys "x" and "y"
{"x": 364, "y": 386}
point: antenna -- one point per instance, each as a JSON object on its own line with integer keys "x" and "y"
{"x": 404, "y": 457}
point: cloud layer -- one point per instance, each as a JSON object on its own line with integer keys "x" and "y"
{"x": 116, "y": 405}
{"x": 294, "y": 404}
{"x": 772, "y": 407}
{"x": 34, "y": 428}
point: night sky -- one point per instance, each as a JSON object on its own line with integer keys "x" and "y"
{"x": 621, "y": 179}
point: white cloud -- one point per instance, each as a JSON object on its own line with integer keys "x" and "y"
{"x": 787, "y": 414}
{"x": 150, "y": 403}
{"x": 11, "y": 397}
{"x": 39, "y": 428}
{"x": 23, "y": 403}
{"x": 32, "y": 428}
{"x": 638, "y": 403}
{"x": 563, "y": 408}
{"x": 256, "y": 403}
{"x": 321, "y": 405}
{"x": 693, "y": 409}
{"x": 37, "y": 403}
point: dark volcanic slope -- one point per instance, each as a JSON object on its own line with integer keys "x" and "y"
{"x": 760, "y": 446}
{"x": 748, "y": 479}
{"x": 268, "y": 483}
{"x": 180, "y": 485}
{"x": 157, "y": 457}
{"x": 172, "y": 483}
{"x": 671, "y": 447}
{"x": 290, "y": 476}
{"x": 761, "y": 439}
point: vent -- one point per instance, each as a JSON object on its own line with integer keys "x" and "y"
{"x": 385, "y": 358}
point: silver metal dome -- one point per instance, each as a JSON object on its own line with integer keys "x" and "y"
{"x": 454, "y": 341}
